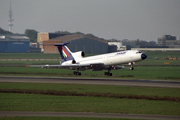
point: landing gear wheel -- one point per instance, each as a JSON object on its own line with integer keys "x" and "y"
{"x": 107, "y": 73}
{"x": 110, "y": 74}
{"x": 131, "y": 68}
{"x": 76, "y": 73}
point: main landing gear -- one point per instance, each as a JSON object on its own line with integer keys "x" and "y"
{"x": 76, "y": 73}
{"x": 108, "y": 73}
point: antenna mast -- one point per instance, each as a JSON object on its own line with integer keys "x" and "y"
{"x": 10, "y": 19}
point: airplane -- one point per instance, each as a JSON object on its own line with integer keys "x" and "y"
{"x": 111, "y": 61}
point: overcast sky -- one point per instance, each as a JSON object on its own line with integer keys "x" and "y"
{"x": 118, "y": 19}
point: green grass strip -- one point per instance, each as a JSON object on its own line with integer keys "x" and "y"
{"x": 60, "y": 118}
{"x": 78, "y": 88}
{"x": 107, "y": 95}
{"x": 158, "y": 72}
{"x": 33, "y": 102}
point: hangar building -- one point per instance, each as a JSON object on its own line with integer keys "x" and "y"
{"x": 45, "y": 36}
{"x": 79, "y": 42}
{"x": 14, "y": 43}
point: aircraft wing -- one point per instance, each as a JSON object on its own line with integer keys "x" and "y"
{"x": 119, "y": 67}
{"x": 71, "y": 66}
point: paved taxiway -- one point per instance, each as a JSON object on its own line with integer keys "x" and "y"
{"x": 83, "y": 114}
{"x": 146, "y": 83}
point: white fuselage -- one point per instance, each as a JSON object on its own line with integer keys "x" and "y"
{"x": 115, "y": 58}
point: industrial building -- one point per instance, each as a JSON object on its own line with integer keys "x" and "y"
{"x": 34, "y": 48}
{"x": 162, "y": 41}
{"x": 78, "y": 42}
{"x": 173, "y": 43}
{"x": 45, "y": 36}
{"x": 118, "y": 44}
{"x": 15, "y": 43}
{"x": 169, "y": 41}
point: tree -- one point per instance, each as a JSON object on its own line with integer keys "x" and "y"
{"x": 4, "y": 31}
{"x": 79, "y": 33}
{"x": 91, "y": 35}
{"x": 63, "y": 32}
{"x": 32, "y": 34}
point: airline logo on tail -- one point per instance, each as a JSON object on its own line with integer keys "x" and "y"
{"x": 65, "y": 54}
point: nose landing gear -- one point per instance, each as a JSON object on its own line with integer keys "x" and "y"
{"x": 131, "y": 68}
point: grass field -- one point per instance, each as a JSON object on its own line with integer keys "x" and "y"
{"x": 140, "y": 72}
{"x": 35, "y": 102}
{"x": 28, "y": 56}
{"x": 62, "y": 118}
{"x": 31, "y": 102}
{"x": 155, "y": 91}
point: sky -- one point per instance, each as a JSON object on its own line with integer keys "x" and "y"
{"x": 108, "y": 19}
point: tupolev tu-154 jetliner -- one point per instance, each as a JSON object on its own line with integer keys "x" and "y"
{"x": 111, "y": 61}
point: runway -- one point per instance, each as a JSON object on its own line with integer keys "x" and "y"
{"x": 97, "y": 81}
{"x": 87, "y": 115}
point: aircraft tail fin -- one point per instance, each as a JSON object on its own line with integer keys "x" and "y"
{"x": 64, "y": 51}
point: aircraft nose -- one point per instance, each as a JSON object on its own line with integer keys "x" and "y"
{"x": 143, "y": 56}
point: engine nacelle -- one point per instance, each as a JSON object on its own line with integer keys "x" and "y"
{"x": 79, "y": 54}
{"x": 69, "y": 62}
{"x": 73, "y": 61}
